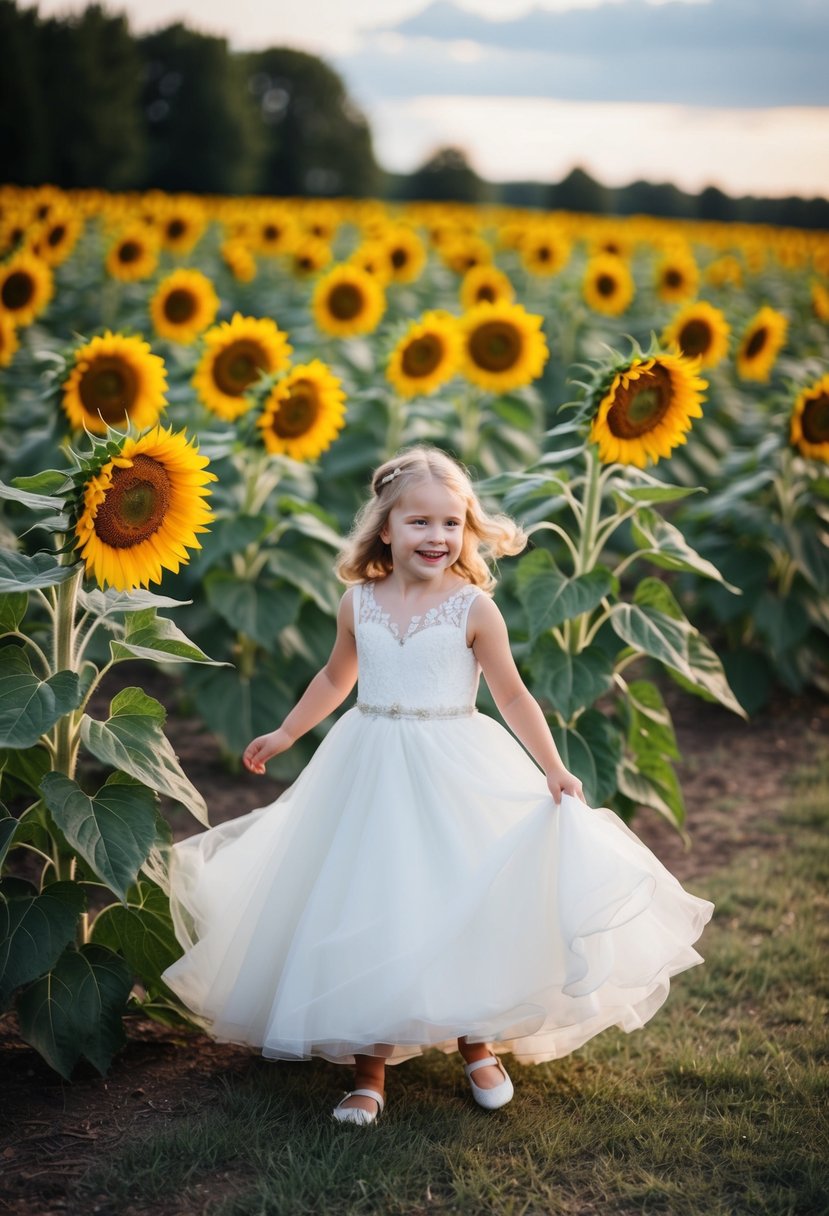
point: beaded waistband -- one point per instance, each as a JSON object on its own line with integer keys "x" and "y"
{"x": 400, "y": 711}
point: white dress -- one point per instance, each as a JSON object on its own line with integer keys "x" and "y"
{"x": 417, "y": 882}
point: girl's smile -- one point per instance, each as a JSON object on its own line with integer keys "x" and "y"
{"x": 425, "y": 530}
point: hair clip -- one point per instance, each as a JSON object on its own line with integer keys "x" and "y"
{"x": 390, "y": 476}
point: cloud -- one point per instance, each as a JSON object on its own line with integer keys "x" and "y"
{"x": 722, "y": 53}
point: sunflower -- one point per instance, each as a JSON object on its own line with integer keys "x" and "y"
{"x": 348, "y": 301}
{"x": 114, "y": 380}
{"x": 820, "y": 301}
{"x": 485, "y": 285}
{"x": 8, "y": 340}
{"x": 464, "y": 251}
{"x": 372, "y": 258}
{"x": 810, "y": 420}
{"x": 426, "y": 356}
{"x": 676, "y": 275}
{"x": 273, "y": 231}
{"x": 13, "y": 226}
{"x": 180, "y": 224}
{"x": 303, "y": 412}
{"x": 647, "y": 409}
{"x": 239, "y": 260}
{"x": 725, "y": 271}
{"x": 133, "y": 255}
{"x": 405, "y": 254}
{"x": 608, "y": 285}
{"x": 760, "y": 344}
{"x": 545, "y": 250}
{"x": 183, "y": 305}
{"x": 58, "y": 236}
{"x": 699, "y": 329}
{"x": 502, "y": 346}
{"x": 141, "y": 510}
{"x": 237, "y": 353}
{"x": 309, "y": 255}
{"x": 26, "y": 287}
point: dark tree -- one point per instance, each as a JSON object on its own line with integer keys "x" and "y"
{"x": 316, "y": 140}
{"x": 578, "y": 191}
{"x": 447, "y": 176}
{"x": 201, "y": 128}
{"x": 90, "y": 77}
{"x": 24, "y": 129}
{"x": 713, "y": 204}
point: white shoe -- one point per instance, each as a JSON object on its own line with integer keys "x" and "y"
{"x": 497, "y": 1095}
{"x": 355, "y": 1114}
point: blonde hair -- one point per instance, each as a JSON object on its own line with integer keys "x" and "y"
{"x": 486, "y": 537}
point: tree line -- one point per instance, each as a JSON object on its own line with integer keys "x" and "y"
{"x": 85, "y": 103}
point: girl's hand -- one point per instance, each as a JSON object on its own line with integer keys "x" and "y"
{"x": 264, "y": 748}
{"x": 560, "y": 781}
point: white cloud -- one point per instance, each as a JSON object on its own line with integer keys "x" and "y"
{"x": 771, "y": 152}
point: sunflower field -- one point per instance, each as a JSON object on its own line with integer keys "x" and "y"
{"x": 194, "y": 391}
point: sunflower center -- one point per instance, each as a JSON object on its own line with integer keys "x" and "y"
{"x": 815, "y": 419}
{"x": 17, "y": 290}
{"x": 485, "y": 294}
{"x": 135, "y": 504}
{"x": 271, "y": 233}
{"x": 345, "y": 301}
{"x": 606, "y": 285}
{"x": 495, "y": 346}
{"x": 641, "y": 406}
{"x": 238, "y": 365}
{"x": 108, "y": 388}
{"x": 695, "y": 338}
{"x": 179, "y": 306}
{"x": 422, "y": 356}
{"x": 756, "y": 342}
{"x": 672, "y": 277}
{"x": 399, "y": 258}
{"x": 129, "y": 251}
{"x": 298, "y": 413}
{"x": 175, "y": 229}
{"x": 56, "y": 235}
{"x": 544, "y": 254}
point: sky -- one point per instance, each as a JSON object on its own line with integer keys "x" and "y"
{"x": 732, "y": 93}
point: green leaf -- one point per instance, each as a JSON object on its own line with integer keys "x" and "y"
{"x": 34, "y": 827}
{"x": 113, "y": 603}
{"x": 259, "y": 609}
{"x": 45, "y": 482}
{"x": 570, "y": 682}
{"x": 34, "y": 930}
{"x": 657, "y": 788}
{"x": 37, "y": 502}
{"x": 28, "y": 766}
{"x": 666, "y": 547}
{"x": 8, "y": 826}
{"x": 655, "y": 625}
{"x": 592, "y": 750}
{"x": 550, "y": 598}
{"x": 141, "y": 932}
{"x": 311, "y": 572}
{"x": 12, "y": 610}
{"x": 76, "y": 1009}
{"x": 30, "y": 706}
{"x": 157, "y": 639}
{"x": 113, "y": 830}
{"x": 238, "y": 709}
{"x": 19, "y": 572}
{"x": 132, "y": 740}
{"x": 783, "y": 623}
{"x": 627, "y": 495}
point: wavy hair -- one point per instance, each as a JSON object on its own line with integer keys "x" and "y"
{"x": 486, "y": 537}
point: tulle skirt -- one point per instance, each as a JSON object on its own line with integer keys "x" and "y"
{"x": 417, "y": 883}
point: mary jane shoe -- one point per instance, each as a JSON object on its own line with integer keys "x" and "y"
{"x": 497, "y": 1095}
{"x": 355, "y": 1114}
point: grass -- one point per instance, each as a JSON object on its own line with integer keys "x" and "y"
{"x": 717, "y": 1108}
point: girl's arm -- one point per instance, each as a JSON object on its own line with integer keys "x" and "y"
{"x": 327, "y": 690}
{"x": 516, "y": 704}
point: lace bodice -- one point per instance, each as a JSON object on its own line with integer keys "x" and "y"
{"x": 428, "y": 667}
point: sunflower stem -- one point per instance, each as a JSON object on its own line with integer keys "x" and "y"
{"x": 397, "y": 421}
{"x": 587, "y": 538}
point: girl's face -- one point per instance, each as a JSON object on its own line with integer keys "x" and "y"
{"x": 425, "y": 530}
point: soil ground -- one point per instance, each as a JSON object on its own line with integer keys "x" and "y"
{"x": 735, "y": 777}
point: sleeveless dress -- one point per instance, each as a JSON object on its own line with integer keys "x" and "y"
{"x": 417, "y": 882}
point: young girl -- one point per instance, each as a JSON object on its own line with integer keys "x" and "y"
{"x": 424, "y": 883}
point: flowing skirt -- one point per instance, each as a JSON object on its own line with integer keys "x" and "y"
{"x": 417, "y": 882}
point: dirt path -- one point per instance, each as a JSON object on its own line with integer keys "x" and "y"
{"x": 735, "y": 776}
